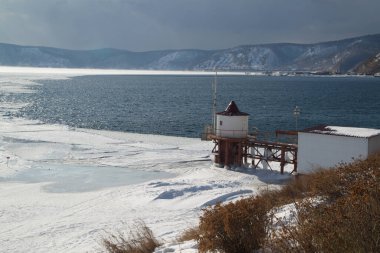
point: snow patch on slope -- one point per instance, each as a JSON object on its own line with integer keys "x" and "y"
{"x": 255, "y": 58}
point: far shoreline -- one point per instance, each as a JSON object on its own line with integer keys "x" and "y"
{"x": 140, "y": 72}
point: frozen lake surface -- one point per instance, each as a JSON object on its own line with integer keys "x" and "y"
{"x": 59, "y": 178}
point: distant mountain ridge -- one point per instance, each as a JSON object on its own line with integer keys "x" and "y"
{"x": 342, "y": 56}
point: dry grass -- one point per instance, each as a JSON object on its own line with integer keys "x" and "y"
{"x": 189, "y": 234}
{"x": 338, "y": 211}
{"x": 238, "y": 227}
{"x": 140, "y": 240}
{"x": 348, "y": 220}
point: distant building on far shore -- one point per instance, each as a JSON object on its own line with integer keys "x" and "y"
{"x": 327, "y": 146}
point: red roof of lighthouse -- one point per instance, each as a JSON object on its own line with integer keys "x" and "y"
{"x": 232, "y": 110}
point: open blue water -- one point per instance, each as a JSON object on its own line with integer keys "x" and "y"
{"x": 181, "y": 105}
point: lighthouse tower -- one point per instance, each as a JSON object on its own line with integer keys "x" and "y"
{"x": 231, "y": 131}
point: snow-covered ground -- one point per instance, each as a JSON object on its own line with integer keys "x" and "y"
{"x": 64, "y": 189}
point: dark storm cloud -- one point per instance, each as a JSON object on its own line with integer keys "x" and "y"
{"x": 159, "y": 24}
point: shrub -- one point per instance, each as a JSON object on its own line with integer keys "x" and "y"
{"x": 338, "y": 210}
{"x": 140, "y": 240}
{"x": 238, "y": 227}
{"x": 348, "y": 218}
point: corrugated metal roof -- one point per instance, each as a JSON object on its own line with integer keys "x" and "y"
{"x": 232, "y": 110}
{"x": 343, "y": 131}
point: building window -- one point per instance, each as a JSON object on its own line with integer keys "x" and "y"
{"x": 220, "y": 123}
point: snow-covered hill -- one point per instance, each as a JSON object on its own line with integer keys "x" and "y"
{"x": 335, "y": 57}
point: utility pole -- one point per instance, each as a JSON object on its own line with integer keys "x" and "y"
{"x": 296, "y": 113}
{"x": 214, "y": 84}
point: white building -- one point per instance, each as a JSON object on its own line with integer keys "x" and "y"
{"x": 327, "y": 146}
{"x": 232, "y": 123}
{"x": 231, "y": 130}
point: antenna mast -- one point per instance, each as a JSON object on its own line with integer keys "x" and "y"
{"x": 214, "y": 84}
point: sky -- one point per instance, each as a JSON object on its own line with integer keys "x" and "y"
{"x": 143, "y": 25}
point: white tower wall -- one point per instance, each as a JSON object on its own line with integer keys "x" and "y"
{"x": 232, "y": 126}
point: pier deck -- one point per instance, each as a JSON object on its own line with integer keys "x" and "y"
{"x": 238, "y": 151}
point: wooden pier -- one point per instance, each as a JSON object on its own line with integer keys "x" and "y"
{"x": 229, "y": 151}
{"x": 239, "y": 151}
{"x": 266, "y": 151}
{"x": 234, "y": 146}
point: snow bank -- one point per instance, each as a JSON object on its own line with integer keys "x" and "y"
{"x": 64, "y": 189}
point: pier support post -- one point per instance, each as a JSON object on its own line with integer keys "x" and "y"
{"x": 282, "y": 160}
{"x": 227, "y": 154}
{"x": 245, "y": 155}
{"x": 295, "y": 161}
{"x": 239, "y": 156}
